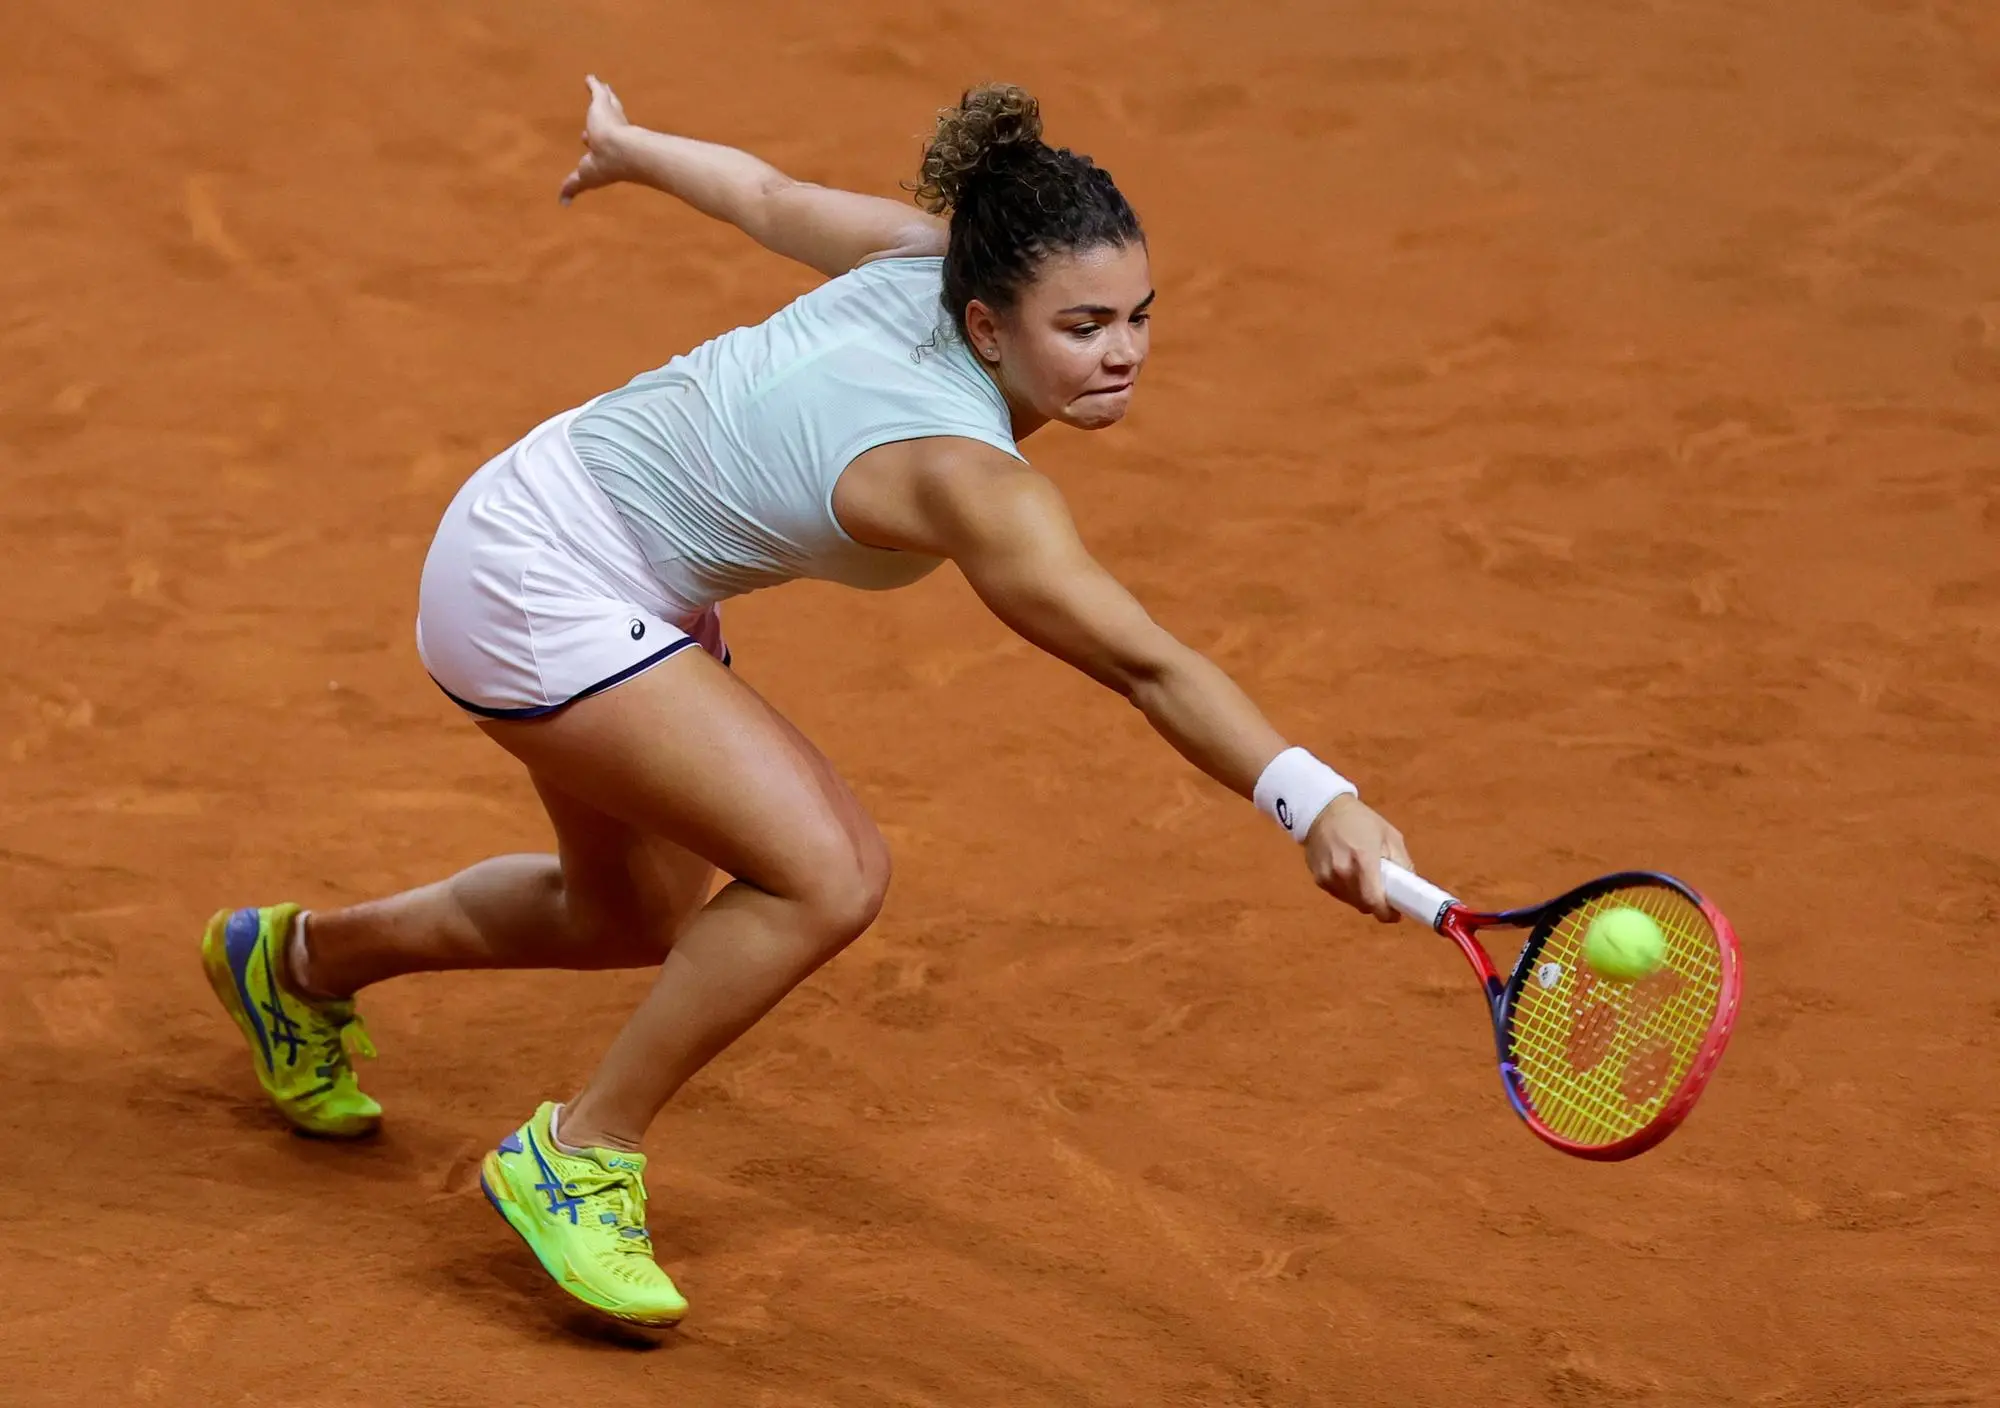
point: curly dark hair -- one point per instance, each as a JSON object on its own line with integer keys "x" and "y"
{"x": 1013, "y": 200}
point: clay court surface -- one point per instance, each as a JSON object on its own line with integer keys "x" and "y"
{"x": 1581, "y": 422}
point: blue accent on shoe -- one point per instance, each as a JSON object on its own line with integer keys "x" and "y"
{"x": 550, "y": 1186}
{"x": 239, "y": 942}
{"x": 511, "y": 1145}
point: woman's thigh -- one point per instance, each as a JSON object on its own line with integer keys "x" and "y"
{"x": 687, "y": 759}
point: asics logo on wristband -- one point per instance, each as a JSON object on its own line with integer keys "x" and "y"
{"x": 1295, "y": 788}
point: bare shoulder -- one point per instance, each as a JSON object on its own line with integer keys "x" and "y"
{"x": 930, "y": 494}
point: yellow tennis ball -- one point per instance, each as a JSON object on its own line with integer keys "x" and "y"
{"x": 1624, "y": 945}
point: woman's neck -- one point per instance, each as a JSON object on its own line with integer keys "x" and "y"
{"x": 1021, "y": 420}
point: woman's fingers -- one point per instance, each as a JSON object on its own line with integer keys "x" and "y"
{"x": 1368, "y": 884}
{"x": 1345, "y": 850}
{"x": 588, "y": 175}
{"x": 1398, "y": 852}
{"x": 604, "y": 102}
{"x": 600, "y": 125}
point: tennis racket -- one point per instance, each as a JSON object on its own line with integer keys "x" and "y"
{"x": 1598, "y": 1068}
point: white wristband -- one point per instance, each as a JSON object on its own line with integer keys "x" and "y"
{"x": 1296, "y": 788}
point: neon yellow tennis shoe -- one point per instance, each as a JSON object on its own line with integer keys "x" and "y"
{"x": 302, "y": 1050}
{"x": 583, "y": 1215}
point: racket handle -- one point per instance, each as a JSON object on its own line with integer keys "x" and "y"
{"x": 1415, "y": 897}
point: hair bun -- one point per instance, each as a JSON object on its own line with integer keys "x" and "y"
{"x": 991, "y": 123}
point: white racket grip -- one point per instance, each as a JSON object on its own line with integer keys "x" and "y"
{"x": 1414, "y": 896}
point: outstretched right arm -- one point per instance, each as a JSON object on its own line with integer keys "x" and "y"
{"x": 828, "y": 230}
{"x": 1010, "y": 533}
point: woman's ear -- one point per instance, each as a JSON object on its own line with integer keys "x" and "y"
{"x": 982, "y": 332}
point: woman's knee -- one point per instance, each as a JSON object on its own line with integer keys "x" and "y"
{"x": 845, "y": 887}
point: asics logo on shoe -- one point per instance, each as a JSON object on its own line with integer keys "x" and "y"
{"x": 552, "y": 1187}
{"x": 284, "y": 1031}
{"x": 615, "y": 1162}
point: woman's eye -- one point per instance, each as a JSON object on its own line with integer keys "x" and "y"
{"x": 1083, "y": 330}
{"x": 1141, "y": 319}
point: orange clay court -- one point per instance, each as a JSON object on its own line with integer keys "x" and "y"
{"x": 1581, "y": 423}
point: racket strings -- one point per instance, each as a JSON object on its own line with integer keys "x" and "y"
{"x": 1597, "y": 1058}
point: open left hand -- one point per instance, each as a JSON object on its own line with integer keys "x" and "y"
{"x": 1345, "y": 850}
{"x": 602, "y": 163}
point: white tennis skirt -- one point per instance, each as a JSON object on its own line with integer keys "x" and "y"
{"x": 535, "y": 594}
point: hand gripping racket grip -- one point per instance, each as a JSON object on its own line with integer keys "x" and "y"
{"x": 1414, "y": 896}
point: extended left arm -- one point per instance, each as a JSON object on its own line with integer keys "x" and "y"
{"x": 826, "y": 229}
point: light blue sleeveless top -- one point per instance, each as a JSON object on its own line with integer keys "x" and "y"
{"x": 723, "y": 462}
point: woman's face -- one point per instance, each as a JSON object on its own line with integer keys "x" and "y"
{"x": 1071, "y": 347}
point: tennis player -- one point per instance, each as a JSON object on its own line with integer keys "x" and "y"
{"x": 862, "y": 435}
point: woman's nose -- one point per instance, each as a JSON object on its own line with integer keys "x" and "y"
{"x": 1121, "y": 349}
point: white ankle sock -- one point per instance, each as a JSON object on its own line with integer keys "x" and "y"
{"x": 555, "y": 1132}
{"x": 295, "y": 958}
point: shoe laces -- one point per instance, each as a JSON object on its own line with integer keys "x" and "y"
{"x": 617, "y": 1199}
{"x": 345, "y": 1040}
